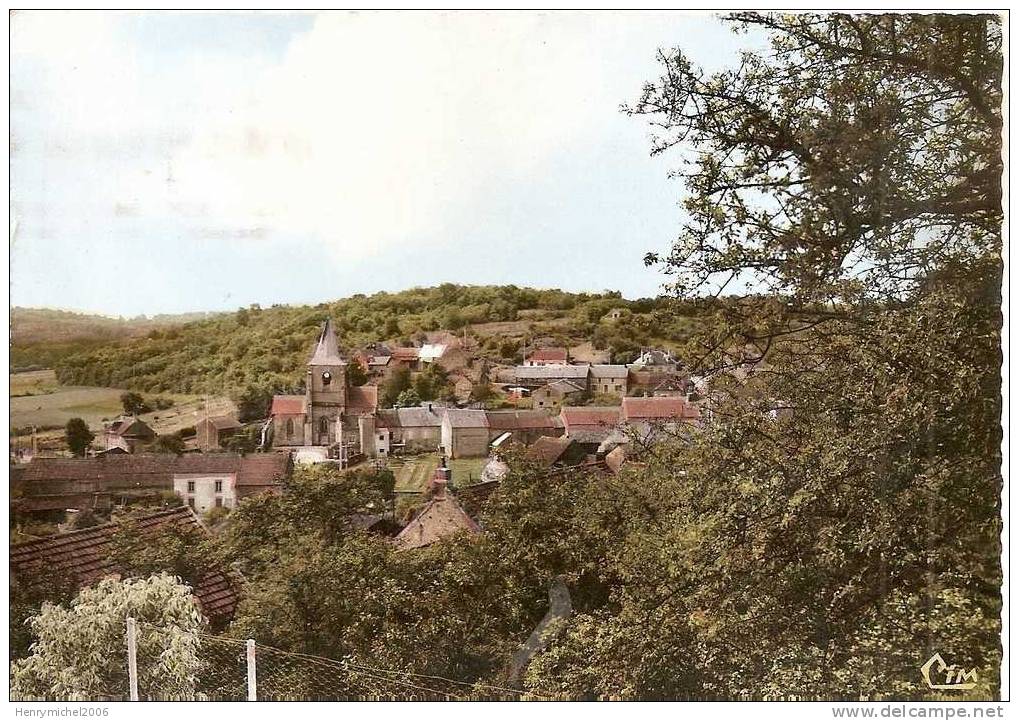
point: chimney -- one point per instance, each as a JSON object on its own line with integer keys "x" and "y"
{"x": 440, "y": 480}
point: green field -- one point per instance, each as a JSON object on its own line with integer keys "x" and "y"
{"x": 413, "y": 473}
{"x": 38, "y": 400}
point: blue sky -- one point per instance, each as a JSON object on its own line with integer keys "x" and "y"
{"x": 166, "y": 162}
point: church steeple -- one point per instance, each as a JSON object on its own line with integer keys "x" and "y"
{"x": 327, "y": 351}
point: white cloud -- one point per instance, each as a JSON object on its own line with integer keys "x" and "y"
{"x": 376, "y": 126}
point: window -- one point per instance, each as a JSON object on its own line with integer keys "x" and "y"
{"x": 289, "y": 427}
{"x": 323, "y": 425}
{"x": 191, "y": 502}
{"x": 219, "y": 486}
{"x": 382, "y": 436}
{"x": 219, "y": 503}
{"x": 191, "y": 486}
{"x": 619, "y": 388}
{"x": 327, "y": 378}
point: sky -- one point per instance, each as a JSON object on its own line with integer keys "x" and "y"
{"x": 174, "y": 162}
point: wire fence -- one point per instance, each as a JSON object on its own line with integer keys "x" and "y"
{"x": 169, "y": 663}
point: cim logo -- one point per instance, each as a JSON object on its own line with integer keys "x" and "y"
{"x": 942, "y": 677}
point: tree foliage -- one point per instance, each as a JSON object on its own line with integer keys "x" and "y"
{"x": 839, "y": 521}
{"x": 78, "y": 436}
{"x": 80, "y": 652}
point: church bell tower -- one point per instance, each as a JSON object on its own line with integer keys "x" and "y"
{"x": 326, "y": 389}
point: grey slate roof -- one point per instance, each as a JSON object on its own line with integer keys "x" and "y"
{"x": 410, "y": 417}
{"x": 467, "y": 418}
{"x": 551, "y": 372}
{"x": 609, "y": 371}
{"x": 327, "y": 351}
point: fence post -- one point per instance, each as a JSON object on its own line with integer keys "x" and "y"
{"x": 132, "y": 657}
{"x": 252, "y": 680}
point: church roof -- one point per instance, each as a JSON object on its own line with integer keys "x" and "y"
{"x": 327, "y": 351}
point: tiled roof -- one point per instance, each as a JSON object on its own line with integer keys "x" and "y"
{"x": 224, "y": 423}
{"x": 547, "y": 450}
{"x": 287, "y": 405}
{"x": 362, "y": 399}
{"x": 672, "y": 383}
{"x": 548, "y": 355}
{"x": 405, "y": 354}
{"x": 472, "y": 498}
{"x": 609, "y": 371}
{"x": 658, "y": 409}
{"x": 409, "y": 417}
{"x": 589, "y": 417}
{"x": 563, "y": 386}
{"x": 551, "y": 372}
{"x": 467, "y": 418}
{"x": 154, "y": 470}
{"x": 521, "y": 420}
{"x": 84, "y": 557}
{"x": 132, "y": 427}
{"x": 439, "y": 518}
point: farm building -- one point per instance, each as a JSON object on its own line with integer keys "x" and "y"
{"x": 547, "y": 356}
{"x": 128, "y": 434}
{"x": 212, "y": 433}
{"x": 537, "y": 376}
{"x": 554, "y": 394}
{"x": 203, "y": 481}
{"x": 465, "y": 433}
{"x": 609, "y": 379}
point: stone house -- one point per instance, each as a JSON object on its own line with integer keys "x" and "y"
{"x": 465, "y": 433}
{"x": 537, "y": 376}
{"x": 554, "y": 394}
{"x": 524, "y": 427}
{"x": 611, "y": 379}
{"x": 408, "y": 430}
{"x": 203, "y": 481}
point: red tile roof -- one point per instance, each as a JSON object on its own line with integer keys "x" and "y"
{"x": 659, "y": 408}
{"x": 287, "y": 405}
{"x": 405, "y": 354}
{"x": 84, "y": 557}
{"x": 548, "y": 355}
{"x": 587, "y": 417}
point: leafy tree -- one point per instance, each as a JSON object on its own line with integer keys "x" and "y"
{"x": 408, "y": 399}
{"x": 169, "y": 443}
{"x": 182, "y": 551}
{"x": 397, "y": 382}
{"x": 253, "y": 403}
{"x": 356, "y": 374}
{"x": 853, "y": 174}
{"x": 78, "y": 436}
{"x": 80, "y": 652}
{"x": 134, "y": 404}
{"x": 481, "y": 392}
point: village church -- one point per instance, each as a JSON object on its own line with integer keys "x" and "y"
{"x": 332, "y": 419}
